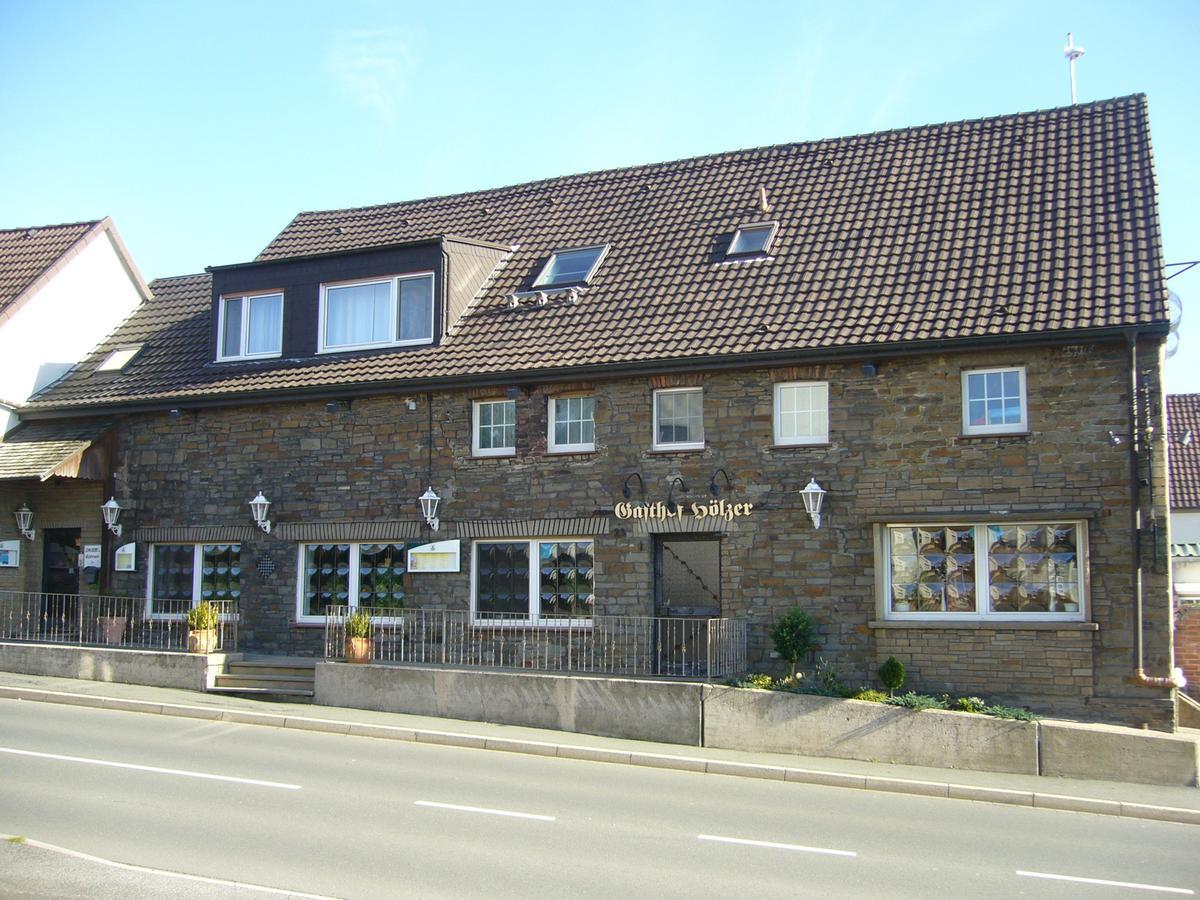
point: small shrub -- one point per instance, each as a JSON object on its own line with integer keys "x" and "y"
{"x": 891, "y": 674}
{"x": 917, "y": 702}
{"x": 794, "y": 636}
{"x": 358, "y": 625}
{"x": 825, "y": 682}
{"x": 1009, "y": 712}
{"x": 760, "y": 680}
{"x": 970, "y": 705}
{"x": 870, "y": 694}
{"x": 202, "y": 617}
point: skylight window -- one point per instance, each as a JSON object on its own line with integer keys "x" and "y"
{"x": 570, "y": 267}
{"x": 118, "y": 359}
{"x": 752, "y": 239}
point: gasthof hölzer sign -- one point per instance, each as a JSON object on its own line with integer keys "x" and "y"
{"x": 713, "y": 509}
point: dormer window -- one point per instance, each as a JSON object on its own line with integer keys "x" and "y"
{"x": 750, "y": 239}
{"x": 570, "y": 267}
{"x": 251, "y": 326}
{"x": 392, "y": 311}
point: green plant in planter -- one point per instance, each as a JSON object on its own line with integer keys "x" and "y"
{"x": 358, "y": 625}
{"x": 794, "y": 636}
{"x": 202, "y": 617}
{"x": 970, "y": 704}
{"x": 891, "y": 673}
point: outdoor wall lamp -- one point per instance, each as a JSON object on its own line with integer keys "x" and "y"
{"x": 112, "y": 512}
{"x": 672, "y": 506}
{"x": 814, "y": 496}
{"x": 24, "y": 517}
{"x": 258, "y": 508}
{"x": 627, "y": 491}
{"x": 429, "y": 504}
{"x": 715, "y": 488}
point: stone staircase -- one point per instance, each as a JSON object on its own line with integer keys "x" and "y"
{"x": 268, "y": 678}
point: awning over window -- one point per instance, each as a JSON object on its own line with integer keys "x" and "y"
{"x": 44, "y": 450}
{"x": 1185, "y": 551}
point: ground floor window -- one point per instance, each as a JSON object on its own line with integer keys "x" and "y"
{"x": 998, "y": 571}
{"x": 367, "y": 575}
{"x": 546, "y": 581}
{"x": 184, "y": 575}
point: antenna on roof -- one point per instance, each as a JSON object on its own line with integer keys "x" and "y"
{"x": 1072, "y": 53}
{"x": 762, "y": 200}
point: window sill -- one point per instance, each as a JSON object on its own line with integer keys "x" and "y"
{"x": 667, "y": 451}
{"x": 997, "y": 435}
{"x": 571, "y": 451}
{"x": 816, "y": 445}
{"x": 507, "y": 454}
{"x": 302, "y": 624}
{"x": 986, "y": 624}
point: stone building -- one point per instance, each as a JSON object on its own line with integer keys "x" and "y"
{"x": 619, "y": 384}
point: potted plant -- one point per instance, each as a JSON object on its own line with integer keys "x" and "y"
{"x": 202, "y": 628}
{"x": 111, "y": 628}
{"x": 358, "y": 638}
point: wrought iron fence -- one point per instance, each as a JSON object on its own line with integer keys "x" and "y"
{"x": 610, "y": 645}
{"x": 110, "y": 621}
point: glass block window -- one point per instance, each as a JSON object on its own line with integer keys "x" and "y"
{"x": 994, "y": 401}
{"x": 326, "y": 578}
{"x": 183, "y": 575}
{"x": 560, "y": 586}
{"x": 572, "y": 424}
{"x": 220, "y": 572}
{"x": 992, "y": 571}
{"x": 495, "y": 428}
{"x": 679, "y": 419}
{"x": 802, "y": 413}
{"x": 353, "y": 575}
{"x": 381, "y": 571}
{"x": 502, "y": 580}
{"x": 570, "y": 267}
{"x": 566, "y": 579}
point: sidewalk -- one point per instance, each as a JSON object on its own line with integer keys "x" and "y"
{"x": 1172, "y": 804}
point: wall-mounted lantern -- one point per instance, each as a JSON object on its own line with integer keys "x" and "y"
{"x": 627, "y": 491}
{"x": 814, "y": 496}
{"x": 112, "y": 512}
{"x": 429, "y": 504}
{"x": 259, "y": 507}
{"x": 672, "y": 506}
{"x": 24, "y": 517}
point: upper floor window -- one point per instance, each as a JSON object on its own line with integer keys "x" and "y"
{"x": 494, "y": 431}
{"x": 570, "y": 267}
{"x": 679, "y": 419}
{"x": 378, "y": 312}
{"x": 754, "y": 238}
{"x": 802, "y": 413}
{"x": 993, "y": 401}
{"x": 251, "y": 325}
{"x": 572, "y": 424}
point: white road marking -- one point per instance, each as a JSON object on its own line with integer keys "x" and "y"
{"x": 482, "y": 809}
{"x": 156, "y": 769}
{"x": 1124, "y": 884}
{"x": 775, "y": 846}
{"x": 129, "y": 867}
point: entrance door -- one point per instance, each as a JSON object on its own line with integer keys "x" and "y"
{"x": 60, "y": 581}
{"x": 687, "y": 592}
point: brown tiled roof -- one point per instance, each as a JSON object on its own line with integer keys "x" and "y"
{"x": 1024, "y": 224}
{"x": 1183, "y": 415}
{"x": 25, "y": 253}
{"x": 40, "y": 449}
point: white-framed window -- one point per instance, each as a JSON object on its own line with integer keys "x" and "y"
{"x": 572, "y": 425}
{"x": 119, "y": 359}
{"x": 494, "y": 428}
{"x": 541, "y": 581}
{"x": 993, "y": 401}
{"x": 801, "y": 412}
{"x": 251, "y": 326}
{"x": 995, "y": 571}
{"x": 679, "y": 419}
{"x": 753, "y": 238}
{"x": 392, "y": 311}
{"x": 571, "y": 266}
{"x": 349, "y": 574}
{"x": 184, "y": 575}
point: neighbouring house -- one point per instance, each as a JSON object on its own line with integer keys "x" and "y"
{"x": 628, "y": 392}
{"x": 1183, "y": 436}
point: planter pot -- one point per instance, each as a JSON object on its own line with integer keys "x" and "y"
{"x": 358, "y": 649}
{"x": 202, "y": 641}
{"x": 112, "y": 628}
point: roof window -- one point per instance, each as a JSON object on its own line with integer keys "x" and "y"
{"x": 754, "y": 238}
{"x": 570, "y": 267}
{"x": 118, "y": 359}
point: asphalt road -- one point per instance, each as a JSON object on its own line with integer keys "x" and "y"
{"x": 250, "y": 807}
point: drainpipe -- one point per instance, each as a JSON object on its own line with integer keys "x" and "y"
{"x": 1175, "y": 679}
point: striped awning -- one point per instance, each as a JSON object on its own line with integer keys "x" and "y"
{"x": 1185, "y": 551}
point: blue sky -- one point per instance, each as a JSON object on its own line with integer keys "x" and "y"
{"x": 203, "y": 127}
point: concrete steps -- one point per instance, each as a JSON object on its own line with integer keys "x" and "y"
{"x": 281, "y": 678}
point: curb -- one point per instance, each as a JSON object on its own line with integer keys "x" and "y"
{"x": 947, "y": 790}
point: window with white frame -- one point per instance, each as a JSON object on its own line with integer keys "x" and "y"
{"x": 546, "y": 580}
{"x": 572, "y": 424}
{"x": 350, "y": 574}
{"x": 184, "y": 575}
{"x": 751, "y": 239}
{"x": 679, "y": 419}
{"x": 802, "y": 412}
{"x": 377, "y": 312}
{"x": 993, "y": 401}
{"x": 251, "y": 325}
{"x": 1000, "y": 571}
{"x": 494, "y": 429}
{"x": 570, "y": 267}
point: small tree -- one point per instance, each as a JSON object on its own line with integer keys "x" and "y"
{"x": 795, "y": 635}
{"x": 891, "y": 673}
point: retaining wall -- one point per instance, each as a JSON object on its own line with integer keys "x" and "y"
{"x": 190, "y": 671}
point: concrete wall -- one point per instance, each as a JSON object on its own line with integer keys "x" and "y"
{"x": 643, "y": 710}
{"x": 1075, "y": 750}
{"x": 190, "y": 671}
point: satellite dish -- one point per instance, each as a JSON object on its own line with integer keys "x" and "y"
{"x": 1176, "y": 304}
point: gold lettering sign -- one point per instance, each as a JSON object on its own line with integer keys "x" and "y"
{"x": 713, "y": 509}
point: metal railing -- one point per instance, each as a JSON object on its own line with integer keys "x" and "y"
{"x": 109, "y": 621}
{"x": 610, "y": 645}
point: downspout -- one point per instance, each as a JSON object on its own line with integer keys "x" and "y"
{"x": 1175, "y": 679}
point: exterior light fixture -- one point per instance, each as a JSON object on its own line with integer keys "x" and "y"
{"x": 24, "y": 517}
{"x": 1114, "y": 438}
{"x": 429, "y": 504}
{"x": 714, "y": 488}
{"x": 112, "y": 512}
{"x": 258, "y": 508}
{"x": 814, "y": 496}
{"x": 627, "y": 491}
{"x": 672, "y": 506}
